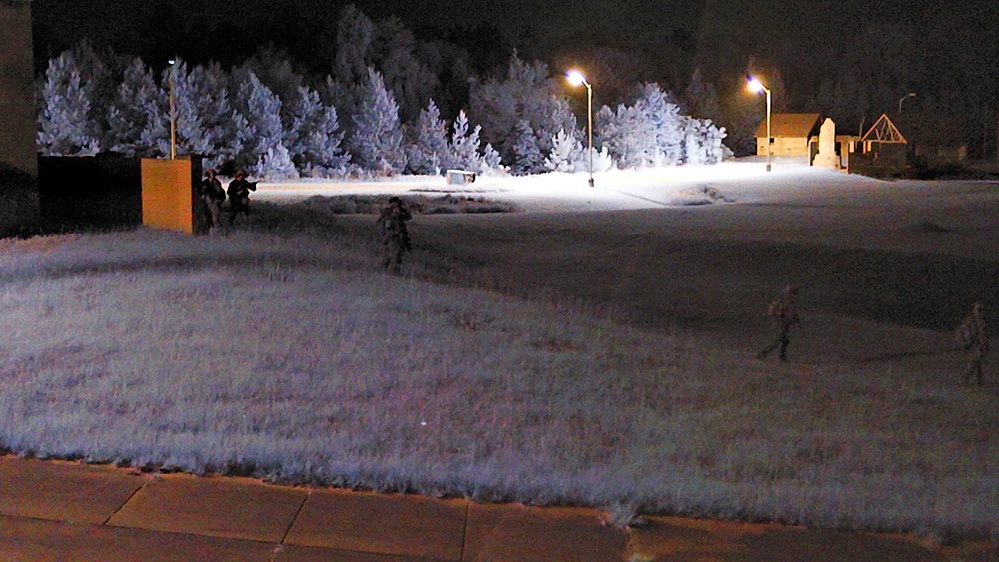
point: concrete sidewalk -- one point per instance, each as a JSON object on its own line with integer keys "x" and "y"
{"x": 52, "y": 510}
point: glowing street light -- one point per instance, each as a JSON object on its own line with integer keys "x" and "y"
{"x": 576, "y": 78}
{"x": 173, "y": 109}
{"x": 906, "y": 96}
{"x": 756, "y": 86}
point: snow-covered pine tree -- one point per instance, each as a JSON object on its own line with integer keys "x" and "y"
{"x": 205, "y": 116}
{"x": 355, "y": 33}
{"x": 701, "y": 97}
{"x": 428, "y": 152}
{"x": 527, "y": 157}
{"x": 343, "y": 97}
{"x": 554, "y": 115}
{"x": 693, "y": 144}
{"x": 276, "y": 164}
{"x": 411, "y": 82}
{"x": 138, "y": 119}
{"x": 668, "y": 126}
{"x": 714, "y": 150}
{"x": 262, "y": 110}
{"x": 98, "y": 83}
{"x": 316, "y": 148}
{"x": 526, "y": 93}
{"x": 465, "y": 144}
{"x": 602, "y": 160}
{"x": 491, "y": 161}
{"x": 627, "y": 136}
{"x": 564, "y": 153}
{"x": 64, "y": 120}
{"x": 376, "y": 143}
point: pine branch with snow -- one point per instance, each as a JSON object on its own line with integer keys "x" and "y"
{"x": 564, "y": 153}
{"x": 464, "y": 149}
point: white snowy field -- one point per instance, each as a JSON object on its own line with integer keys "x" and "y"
{"x": 625, "y": 375}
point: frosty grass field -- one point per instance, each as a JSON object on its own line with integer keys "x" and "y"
{"x": 279, "y": 350}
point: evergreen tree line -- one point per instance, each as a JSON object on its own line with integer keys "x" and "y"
{"x": 374, "y": 115}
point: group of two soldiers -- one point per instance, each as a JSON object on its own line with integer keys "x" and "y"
{"x": 972, "y": 334}
{"x": 214, "y": 196}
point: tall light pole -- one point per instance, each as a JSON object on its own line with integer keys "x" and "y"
{"x": 173, "y": 109}
{"x": 906, "y": 96}
{"x": 576, "y": 78}
{"x": 756, "y": 86}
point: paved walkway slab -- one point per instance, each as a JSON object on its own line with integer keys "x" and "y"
{"x": 410, "y": 526}
{"x": 676, "y": 539}
{"x": 238, "y": 508}
{"x": 62, "y": 511}
{"x": 528, "y": 534}
{"x": 63, "y": 491}
{"x": 37, "y": 540}
{"x": 296, "y": 553}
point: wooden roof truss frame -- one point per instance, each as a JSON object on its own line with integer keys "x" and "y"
{"x": 884, "y": 131}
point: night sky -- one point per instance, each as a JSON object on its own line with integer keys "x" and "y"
{"x": 543, "y": 26}
{"x": 808, "y": 48}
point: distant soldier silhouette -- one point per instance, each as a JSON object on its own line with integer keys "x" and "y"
{"x": 213, "y": 195}
{"x": 239, "y": 195}
{"x": 784, "y": 313}
{"x": 394, "y": 234}
{"x": 973, "y": 335}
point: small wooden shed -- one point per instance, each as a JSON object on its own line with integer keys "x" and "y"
{"x": 790, "y": 134}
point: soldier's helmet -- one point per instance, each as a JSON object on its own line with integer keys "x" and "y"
{"x": 791, "y": 289}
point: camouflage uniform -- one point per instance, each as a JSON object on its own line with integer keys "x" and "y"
{"x": 239, "y": 195}
{"x": 213, "y": 195}
{"x": 785, "y": 314}
{"x": 973, "y": 335}
{"x": 394, "y": 234}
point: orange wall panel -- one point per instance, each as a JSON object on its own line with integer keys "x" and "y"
{"x": 167, "y": 200}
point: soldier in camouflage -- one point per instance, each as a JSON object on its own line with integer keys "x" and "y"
{"x": 239, "y": 195}
{"x": 213, "y": 196}
{"x": 394, "y": 234}
{"x": 784, "y": 313}
{"x": 973, "y": 335}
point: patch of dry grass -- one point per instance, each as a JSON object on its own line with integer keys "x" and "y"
{"x": 288, "y": 356}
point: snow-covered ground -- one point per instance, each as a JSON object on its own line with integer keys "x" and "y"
{"x": 745, "y": 180}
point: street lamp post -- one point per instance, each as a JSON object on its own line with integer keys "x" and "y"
{"x": 576, "y": 78}
{"x": 756, "y": 86}
{"x": 173, "y": 109}
{"x": 906, "y": 96}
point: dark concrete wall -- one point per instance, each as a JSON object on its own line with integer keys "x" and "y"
{"x": 90, "y": 193}
{"x": 18, "y": 163}
{"x": 17, "y": 94}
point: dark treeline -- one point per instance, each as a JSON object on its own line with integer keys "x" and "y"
{"x": 850, "y": 60}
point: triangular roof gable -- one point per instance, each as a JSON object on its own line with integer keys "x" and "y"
{"x": 883, "y": 130}
{"x": 796, "y": 125}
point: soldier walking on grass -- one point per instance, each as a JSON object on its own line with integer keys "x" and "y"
{"x": 394, "y": 234}
{"x": 784, "y": 313}
{"x": 973, "y": 335}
